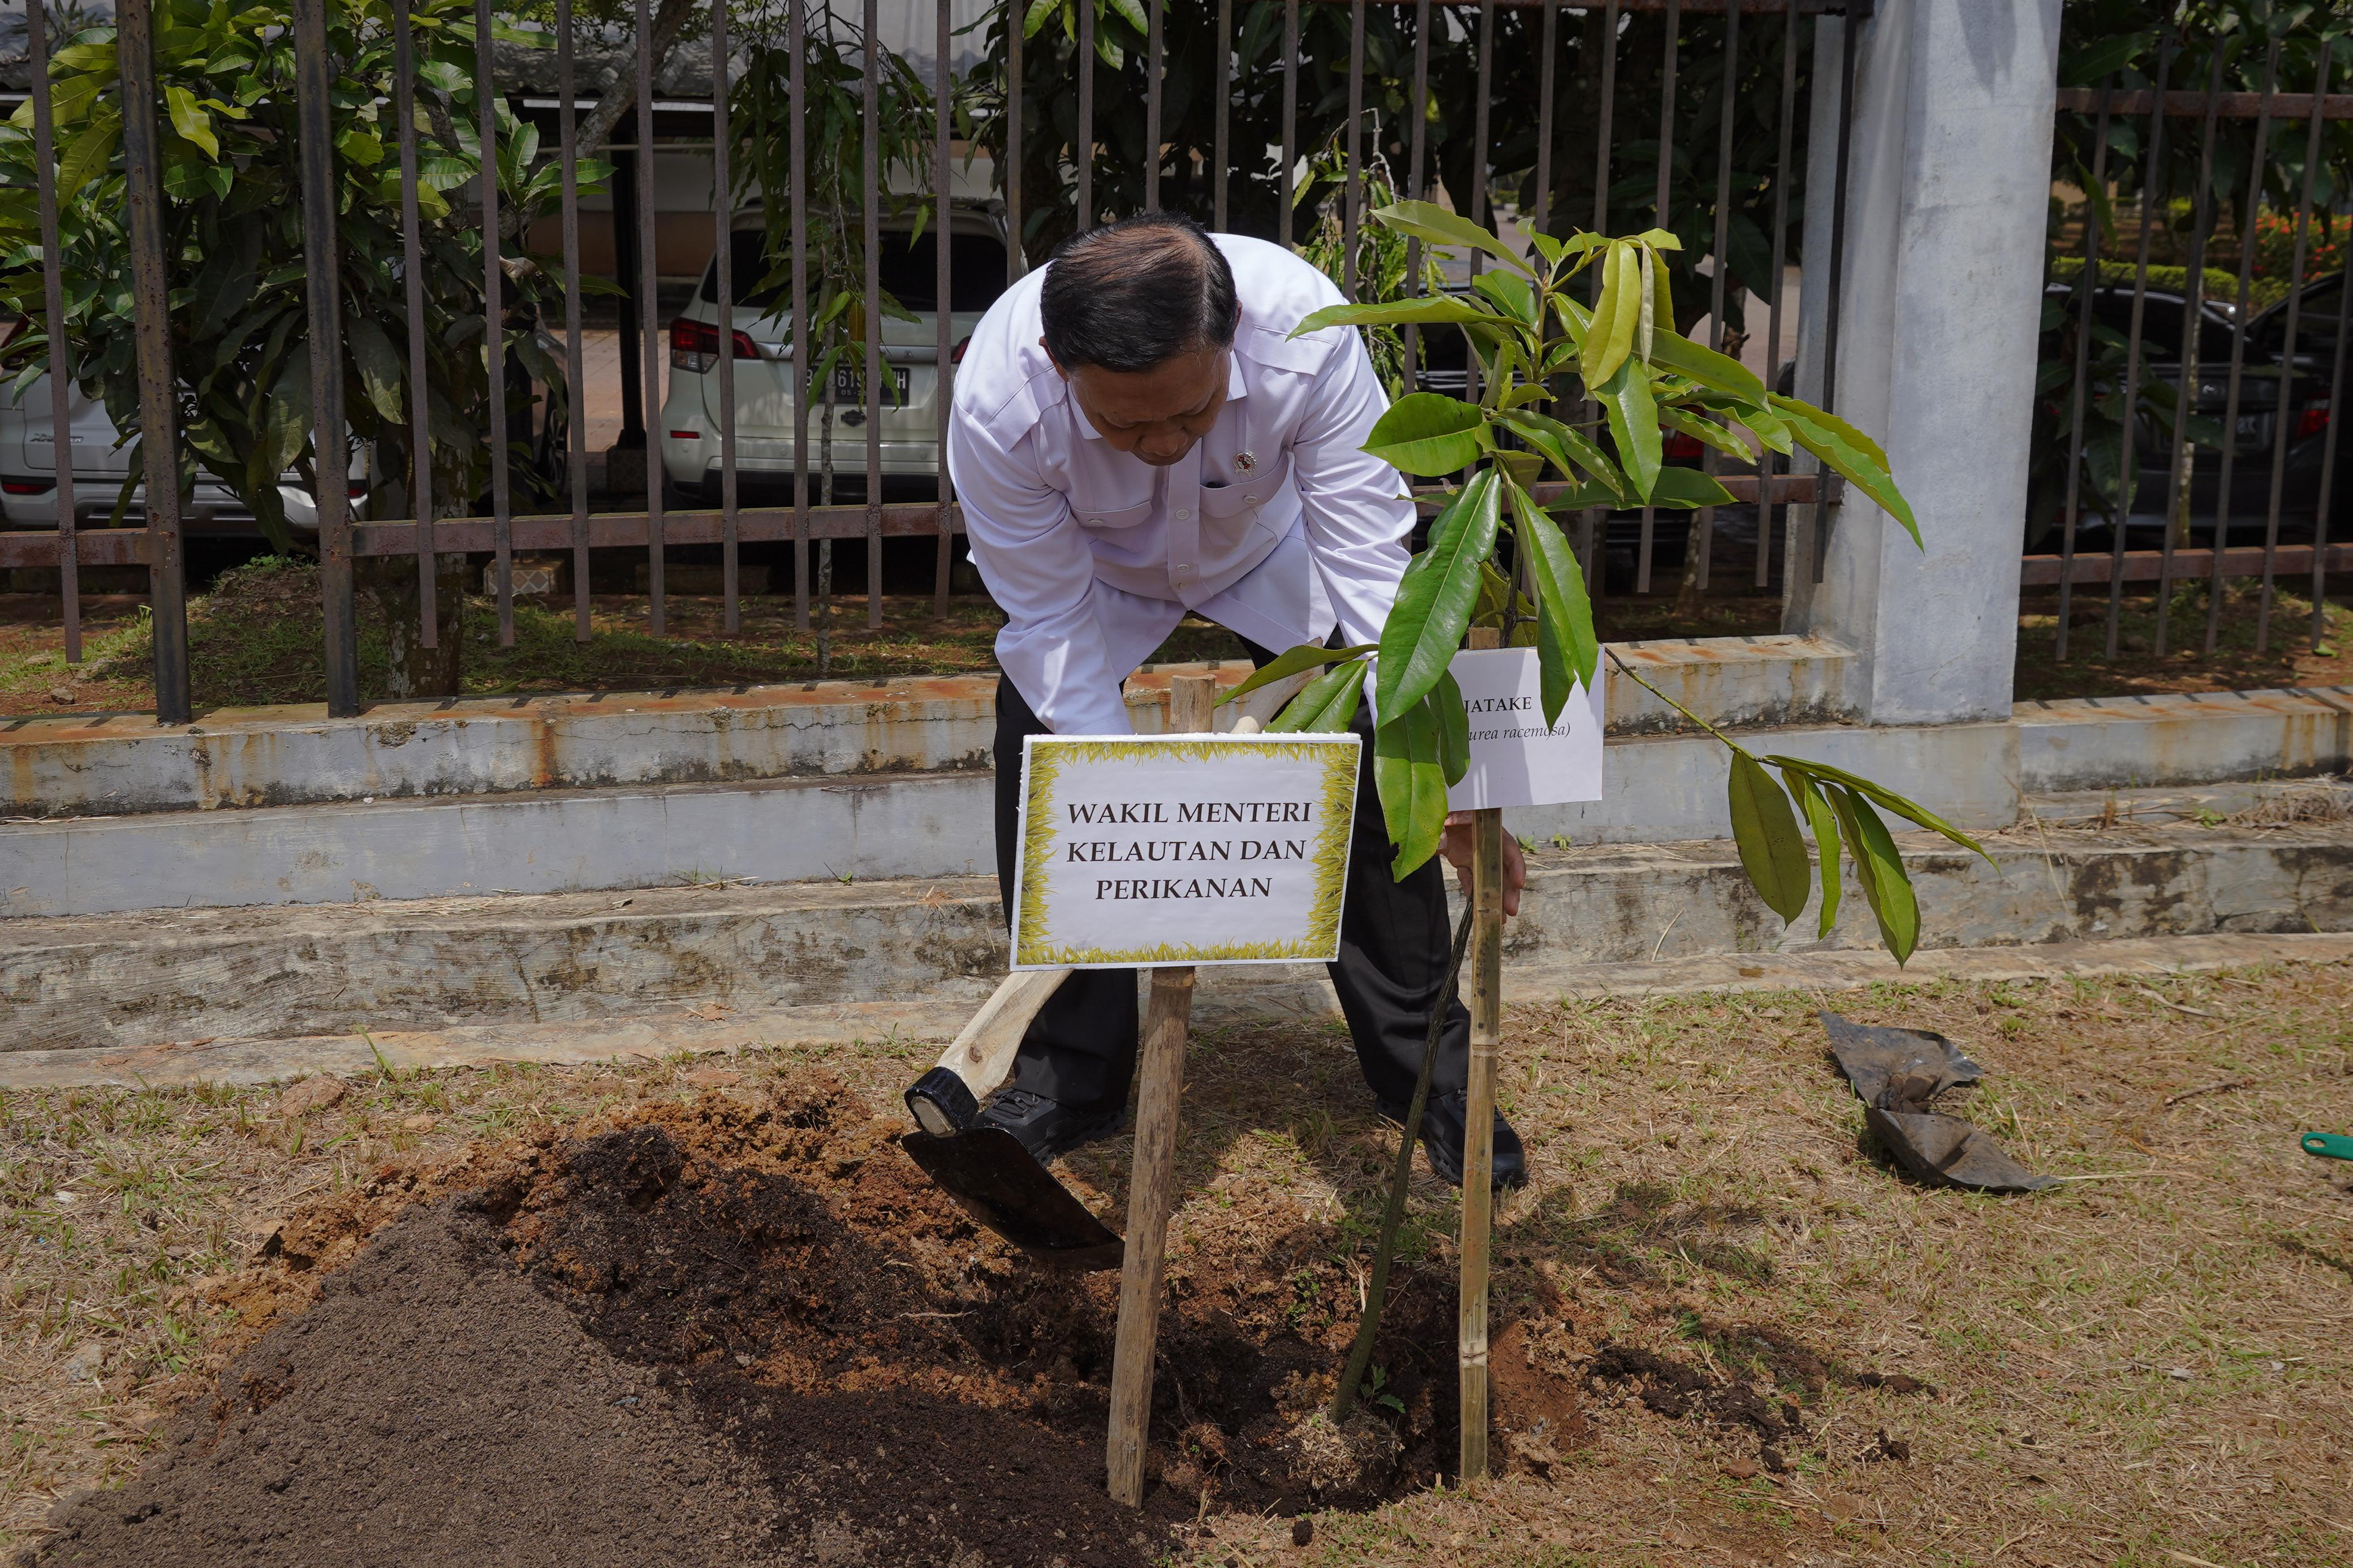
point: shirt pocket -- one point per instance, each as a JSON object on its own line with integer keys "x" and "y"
{"x": 1224, "y": 504}
{"x": 1109, "y": 520}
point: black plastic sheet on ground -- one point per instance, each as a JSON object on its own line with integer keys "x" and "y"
{"x": 1897, "y": 1074}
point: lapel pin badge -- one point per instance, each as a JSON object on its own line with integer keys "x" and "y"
{"x": 1245, "y": 462}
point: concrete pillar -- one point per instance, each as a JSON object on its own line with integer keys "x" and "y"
{"x": 1947, "y": 191}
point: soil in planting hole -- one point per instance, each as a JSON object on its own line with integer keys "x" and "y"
{"x": 742, "y": 1331}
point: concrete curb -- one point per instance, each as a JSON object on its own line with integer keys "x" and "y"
{"x": 1224, "y": 1002}
{"x": 143, "y": 979}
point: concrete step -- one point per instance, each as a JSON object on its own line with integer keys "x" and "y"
{"x": 1662, "y": 789}
{"x": 99, "y": 764}
{"x": 1224, "y": 998}
{"x": 146, "y": 978}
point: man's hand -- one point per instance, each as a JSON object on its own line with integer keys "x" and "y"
{"x": 1456, "y": 847}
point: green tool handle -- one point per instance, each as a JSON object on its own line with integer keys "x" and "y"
{"x": 2328, "y": 1145}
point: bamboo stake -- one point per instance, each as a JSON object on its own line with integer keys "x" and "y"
{"x": 1152, "y": 1179}
{"x": 1479, "y": 1117}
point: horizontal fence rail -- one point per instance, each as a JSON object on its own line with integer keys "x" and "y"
{"x": 445, "y": 317}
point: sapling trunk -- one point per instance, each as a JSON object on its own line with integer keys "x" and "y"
{"x": 1360, "y": 1355}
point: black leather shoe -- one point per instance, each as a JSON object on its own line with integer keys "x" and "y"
{"x": 1049, "y": 1129}
{"x": 1443, "y": 1120}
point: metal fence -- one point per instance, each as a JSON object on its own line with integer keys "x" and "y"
{"x": 1648, "y": 163}
{"x": 2181, "y": 401}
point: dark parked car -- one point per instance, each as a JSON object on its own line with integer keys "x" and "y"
{"x": 2270, "y": 393}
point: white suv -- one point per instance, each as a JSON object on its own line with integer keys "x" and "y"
{"x": 28, "y": 473}
{"x": 765, "y": 376}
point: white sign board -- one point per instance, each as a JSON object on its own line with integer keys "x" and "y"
{"x": 1514, "y": 759}
{"x": 1182, "y": 850}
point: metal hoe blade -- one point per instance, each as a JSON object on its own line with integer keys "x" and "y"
{"x": 988, "y": 1172}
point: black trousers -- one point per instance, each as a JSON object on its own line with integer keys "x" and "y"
{"x": 1394, "y": 942}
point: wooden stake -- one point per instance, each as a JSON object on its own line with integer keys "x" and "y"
{"x": 1152, "y": 1179}
{"x": 1486, "y": 1001}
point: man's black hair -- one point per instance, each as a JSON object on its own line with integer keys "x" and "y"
{"x": 1133, "y": 294}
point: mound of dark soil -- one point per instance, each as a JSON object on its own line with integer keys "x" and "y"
{"x": 736, "y": 1332}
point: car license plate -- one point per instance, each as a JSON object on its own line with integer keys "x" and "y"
{"x": 849, "y": 383}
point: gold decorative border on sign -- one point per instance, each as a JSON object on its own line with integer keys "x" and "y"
{"x": 1044, "y": 758}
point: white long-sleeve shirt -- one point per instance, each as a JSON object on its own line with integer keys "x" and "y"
{"x": 1276, "y": 525}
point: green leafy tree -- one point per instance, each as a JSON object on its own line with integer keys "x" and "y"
{"x": 239, "y": 265}
{"x": 1539, "y": 345}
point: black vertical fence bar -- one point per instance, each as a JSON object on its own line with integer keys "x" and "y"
{"x": 1666, "y": 173}
{"x": 1705, "y": 522}
{"x": 53, "y": 311}
{"x": 1152, "y": 69}
{"x": 628, "y": 347}
{"x": 2178, "y": 491}
{"x": 649, "y": 314}
{"x": 1417, "y": 152}
{"x": 1082, "y": 148}
{"x": 803, "y": 351}
{"x": 2286, "y": 363}
{"x": 1352, "y": 199}
{"x": 722, "y": 204}
{"x": 575, "y": 391}
{"x": 420, "y": 398}
{"x": 1593, "y": 527}
{"x": 943, "y": 297}
{"x": 2329, "y": 469}
{"x": 870, "y": 207}
{"x": 159, "y": 415}
{"x": 2128, "y": 470}
{"x": 1826, "y": 483}
{"x": 2247, "y": 226}
{"x": 1546, "y": 88}
{"x": 1282, "y": 225}
{"x": 1221, "y": 98}
{"x": 1013, "y": 210}
{"x": 330, "y": 450}
{"x": 1771, "y": 463}
{"x": 494, "y": 314}
{"x": 1481, "y": 123}
{"x": 2086, "y": 291}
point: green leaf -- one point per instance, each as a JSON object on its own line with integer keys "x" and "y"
{"x": 1453, "y": 728}
{"x": 1677, "y": 353}
{"x": 1289, "y": 662}
{"x": 1434, "y": 310}
{"x": 1707, "y": 431}
{"x": 1764, "y": 829}
{"x": 1561, "y": 600}
{"x": 1688, "y": 487}
{"x": 191, "y": 120}
{"x": 361, "y": 146}
{"x": 87, "y": 157}
{"x": 1554, "y": 679}
{"x": 1427, "y": 433}
{"x": 1910, "y": 811}
{"x": 1617, "y": 316}
{"x": 1880, "y": 868}
{"x": 1040, "y": 12}
{"x": 1850, "y": 453}
{"x": 1412, "y": 782}
{"x": 378, "y": 365}
{"x": 1326, "y": 705}
{"x": 1516, "y": 297}
{"x": 1634, "y": 423}
{"x": 1824, "y": 823}
{"x": 1132, "y": 11}
{"x": 1570, "y": 450}
{"x": 1427, "y": 221}
{"x": 1433, "y": 604}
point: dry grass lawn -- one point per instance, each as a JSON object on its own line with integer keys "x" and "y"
{"x": 2152, "y": 1365}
